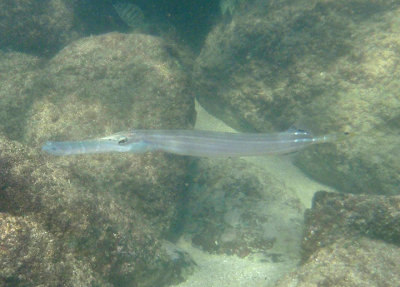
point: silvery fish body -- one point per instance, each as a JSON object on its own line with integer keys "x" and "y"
{"x": 131, "y": 14}
{"x": 192, "y": 143}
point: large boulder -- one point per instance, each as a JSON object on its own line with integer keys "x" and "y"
{"x": 29, "y": 253}
{"x": 18, "y": 77}
{"x": 110, "y": 83}
{"x": 334, "y": 216}
{"x": 101, "y": 233}
{"x": 36, "y": 26}
{"x": 349, "y": 240}
{"x": 362, "y": 262}
{"x": 112, "y": 212}
{"x": 328, "y": 66}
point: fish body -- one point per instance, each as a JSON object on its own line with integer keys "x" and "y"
{"x": 129, "y": 13}
{"x": 191, "y": 143}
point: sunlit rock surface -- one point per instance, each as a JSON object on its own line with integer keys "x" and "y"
{"x": 29, "y": 253}
{"x": 349, "y": 240}
{"x": 362, "y": 262}
{"x": 326, "y": 66}
{"x": 109, "y": 211}
{"x": 95, "y": 224}
{"x": 334, "y": 216}
{"x": 109, "y": 83}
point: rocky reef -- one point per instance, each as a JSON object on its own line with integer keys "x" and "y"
{"x": 72, "y": 70}
{"x": 100, "y": 220}
{"x": 327, "y": 66}
{"x": 349, "y": 240}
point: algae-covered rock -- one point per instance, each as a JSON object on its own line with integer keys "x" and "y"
{"x": 36, "y": 26}
{"x": 18, "y": 75}
{"x": 328, "y": 66}
{"x": 349, "y": 240}
{"x": 362, "y": 262}
{"x": 114, "y": 82}
{"x": 236, "y": 207}
{"x": 334, "y": 216}
{"x": 97, "y": 231}
{"x": 110, "y": 211}
{"x": 29, "y": 254}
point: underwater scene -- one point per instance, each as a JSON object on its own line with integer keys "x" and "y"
{"x": 152, "y": 143}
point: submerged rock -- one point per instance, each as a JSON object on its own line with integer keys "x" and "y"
{"x": 334, "y": 216}
{"x": 110, "y": 83}
{"x": 36, "y": 26}
{"x": 326, "y": 66}
{"x": 101, "y": 85}
{"x": 29, "y": 253}
{"x": 349, "y": 240}
{"x": 109, "y": 211}
{"x": 18, "y": 77}
{"x": 361, "y": 262}
{"x": 95, "y": 229}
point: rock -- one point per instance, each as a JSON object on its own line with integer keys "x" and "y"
{"x": 328, "y": 66}
{"x": 36, "y": 26}
{"x": 29, "y": 253}
{"x": 362, "y": 262}
{"x": 235, "y": 207}
{"x": 110, "y": 83}
{"x": 18, "y": 77}
{"x": 101, "y": 229}
{"x": 349, "y": 240}
{"x": 334, "y": 216}
{"x": 111, "y": 211}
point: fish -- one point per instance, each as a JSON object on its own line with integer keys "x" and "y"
{"x": 228, "y": 7}
{"x": 130, "y": 14}
{"x": 199, "y": 143}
